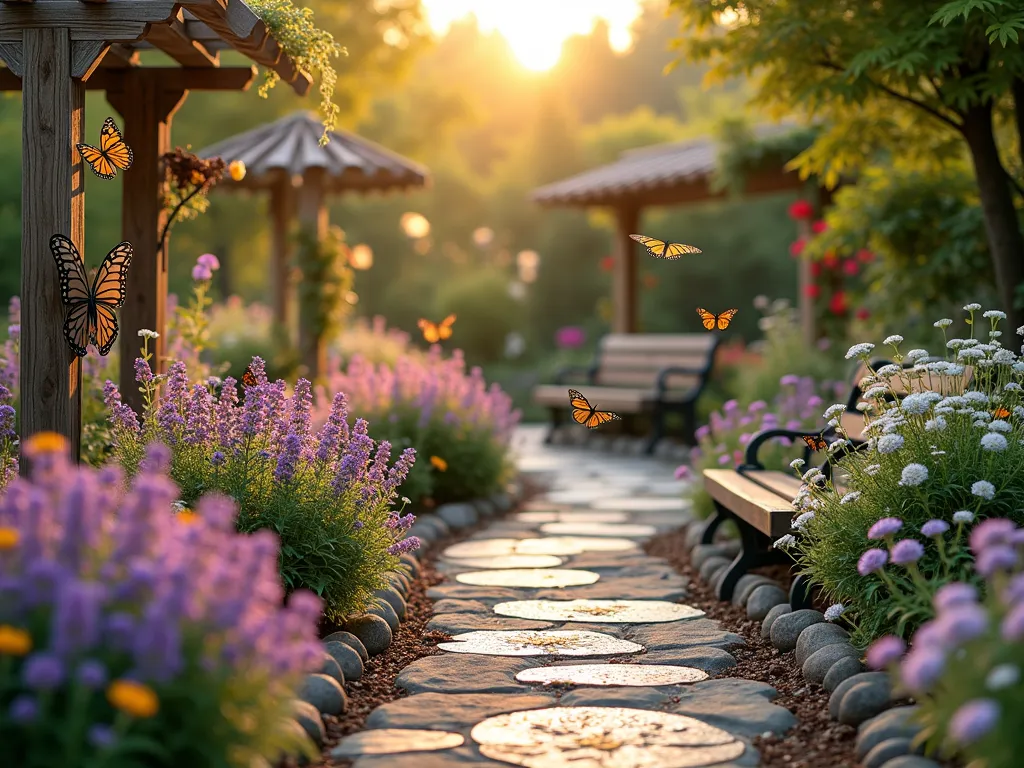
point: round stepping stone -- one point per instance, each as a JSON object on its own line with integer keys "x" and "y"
{"x": 508, "y": 561}
{"x": 581, "y": 497}
{"x": 599, "y": 611}
{"x": 604, "y": 737}
{"x": 573, "y": 517}
{"x": 641, "y": 504}
{"x": 537, "y": 516}
{"x": 573, "y": 545}
{"x": 391, "y": 741}
{"x": 488, "y": 548}
{"x": 535, "y": 578}
{"x": 613, "y": 675}
{"x": 599, "y": 529}
{"x": 555, "y": 642}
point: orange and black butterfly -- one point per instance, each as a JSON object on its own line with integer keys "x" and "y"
{"x": 815, "y": 442}
{"x": 659, "y": 249}
{"x": 91, "y": 317}
{"x": 112, "y": 154}
{"x": 435, "y": 332}
{"x": 248, "y": 377}
{"x": 1000, "y": 413}
{"x": 721, "y": 321}
{"x": 586, "y": 414}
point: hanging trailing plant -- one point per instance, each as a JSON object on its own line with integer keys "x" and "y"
{"x": 310, "y": 47}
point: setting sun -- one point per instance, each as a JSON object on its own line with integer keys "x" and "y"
{"x": 536, "y": 29}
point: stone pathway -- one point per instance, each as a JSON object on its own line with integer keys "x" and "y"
{"x": 570, "y": 645}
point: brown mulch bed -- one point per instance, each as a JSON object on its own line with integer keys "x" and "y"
{"x": 815, "y": 741}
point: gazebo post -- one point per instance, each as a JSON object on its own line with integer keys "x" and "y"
{"x": 281, "y": 204}
{"x": 624, "y": 288}
{"x": 313, "y": 221}
{"x": 53, "y": 202}
{"x": 147, "y": 107}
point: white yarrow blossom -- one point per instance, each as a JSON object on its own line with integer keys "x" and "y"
{"x": 1020, "y": 331}
{"x": 889, "y": 443}
{"x": 872, "y": 469}
{"x": 1000, "y": 426}
{"x": 914, "y": 474}
{"x": 993, "y": 441}
{"x": 145, "y": 333}
{"x": 859, "y": 350}
{"x": 879, "y": 390}
{"x": 963, "y": 516}
{"x": 894, "y": 339}
{"x": 834, "y": 611}
{"x": 994, "y": 313}
{"x": 916, "y": 354}
{"x": 972, "y": 307}
{"x": 1003, "y": 676}
{"x": 797, "y": 463}
{"x": 935, "y": 425}
{"x": 802, "y": 520}
{"x": 918, "y": 403}
{"x": 833, "y": 410}
{"x": 984, "y": 489}
{"x": 946, "y": 322}
{"x": 850, "y": 497}
{"x": 785, "y": 542}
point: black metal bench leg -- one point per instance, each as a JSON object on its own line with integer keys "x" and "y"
{"x": 689, "y": 411}
{"x": 657, "y": 429}
{"x": 755, "y": 551}
{"x": 800, "y": 593}
{"x": 711, "y": 525}
{"x": 556, "y": 422}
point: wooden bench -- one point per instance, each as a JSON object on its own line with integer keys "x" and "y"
{"x": 759, "y": 500}
{"x": 638, "y": 374}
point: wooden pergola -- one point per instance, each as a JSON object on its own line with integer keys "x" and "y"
{"x": 663, "y": 175}
{"x": 54, "y": 51}
{"x": 285, "y": 158}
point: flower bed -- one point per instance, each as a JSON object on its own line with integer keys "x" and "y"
{"x": 133, "y": 636}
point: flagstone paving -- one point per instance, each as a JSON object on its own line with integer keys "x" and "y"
{"x": 628, "y": 659}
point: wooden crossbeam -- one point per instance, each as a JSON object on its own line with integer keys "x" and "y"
{"x": 119, "y": 56}
{"x": 172, "y": 39}
{"x": 114, "y": 20}
{"x": 170, "y": 78}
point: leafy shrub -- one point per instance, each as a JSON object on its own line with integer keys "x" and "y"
{"x": 722, "y": 441}
{"x": 131, "y": 636}
{"x": 942, "y": 453}
{"x": 458, "y": 425}
{"x": 487, "y": 312}
{"x": 964, "y": 667}
{"x": 373, "y": 341}
{"x": 328, "y": 495}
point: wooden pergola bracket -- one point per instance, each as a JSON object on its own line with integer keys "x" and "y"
{"x": 86, "y": 56}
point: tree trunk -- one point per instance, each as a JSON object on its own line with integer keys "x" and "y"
{"x": 1005, "y": 239}
{"x": 1018, "y": 113}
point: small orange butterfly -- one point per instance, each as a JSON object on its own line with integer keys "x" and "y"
{"x": 435, "y": 332}
{"x": 586, "y": 414}
{"x": 1000, "y": 413}
{"x": 660, "y": 249}
{"x": 249, "y": 378}
{"x": 711, "y": 320}
{"x": 815, "y": 442}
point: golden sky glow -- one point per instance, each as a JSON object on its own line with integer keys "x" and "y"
{"x": 536, "y": 29}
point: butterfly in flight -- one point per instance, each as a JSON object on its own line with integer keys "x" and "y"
{"x": 815, "y": 442}
{"x": 435, "y": 332}
{"x": 90, "y": 315}
{"x": 720, "y": 321}
{"x": 659, "y": 249}
{"x": 586, "y": 414}
{"x": 1000, "y": 413}
{"x": 112, "y": 154}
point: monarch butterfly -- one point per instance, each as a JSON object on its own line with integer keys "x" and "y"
{"x": 711, "y": 320}
{"x": 815, "y": 442}
{"x": 659, "y": 249}
{"x": 584, "y": 413}
{"x": 435, "y": 332}
{"x": 1000, "y": 413}
{"x": 112, "y": 154}
{"x": 90, "y": 316}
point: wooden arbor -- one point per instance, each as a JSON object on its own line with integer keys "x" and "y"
{"x": 662, "y": 175}
{"x": 286, "y": 159}
{"x": 55, "y": 50}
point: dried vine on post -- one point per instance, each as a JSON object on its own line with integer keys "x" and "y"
{"x": 323, "y": 290}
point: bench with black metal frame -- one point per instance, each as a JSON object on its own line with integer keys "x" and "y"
{"x": 638, "y": 374}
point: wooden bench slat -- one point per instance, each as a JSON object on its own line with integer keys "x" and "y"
{"x": 643, "y": 380}
{"x": 785, "y": 485}
{"x": 654, "y": 361}
{"x": 765, "y": 510}
{"x": 657, "y": 343}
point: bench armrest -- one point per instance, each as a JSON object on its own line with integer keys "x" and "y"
{"x": 661, "y": 382}
{"x": 750, "y": 460}
{"x": 588, "y": 372}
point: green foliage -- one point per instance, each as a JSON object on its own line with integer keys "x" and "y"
{"x": 311, "y": 48}
{"x": 926, "y": 231}
{"x": 928, "y": 457}
{"x": 326, "y": 281}
{"x": 486, "y": 312}
{"x": 743, "y": 152}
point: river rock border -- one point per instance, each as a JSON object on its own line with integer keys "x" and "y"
{"x": 886, "y": 733}
{"x": 361, "y": 637}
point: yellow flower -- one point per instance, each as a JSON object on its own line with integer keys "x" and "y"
{"x": 236, "y": 169}
{"x": 14, "y": 641}
{"x": 9, "y": 538}
{"x": 46, "y": 442}
{"x": 135, "y": 699}
{"x": 440, "y": 464}
{"x": 187, "y": 517}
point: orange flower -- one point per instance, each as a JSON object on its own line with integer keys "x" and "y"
{"x": 187, "y": 517}
{"x": 439, "y": 464}
{"x": 14, "y": 641}
{"x": 9, "y": 538}
{"x": 133, "y": 698}
{"x": 46, "y": 442}
{"x": 236, "y": 169}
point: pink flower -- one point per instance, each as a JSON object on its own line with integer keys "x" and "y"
{"x": 801, "y": 210}
{"x": 570, "y": 337}
{"x": 885, "y": 651}
{"x": 683, "y": 472}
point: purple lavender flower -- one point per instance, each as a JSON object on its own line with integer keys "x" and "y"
{"x": 887, "y": 526}
{"x": 961, "y": 623}
{"x": 789, "y": 380}
{"x": 998, "y": 557}
{"x": 921, "y": 668}
{"x": 43, "y": 672}
{"x": 954, "y": 594}
{"x": 1012, "y": 629}
{"x": 91, "y": 674}
{"x": 934, "y": 528}
{"x": 201, "y": 272}
{"x": 76, "y": 620}
{"x": 989, "y": 532}
{"x": 288, "y": 459}
{"x": 872, "y": 560}
{"x": 907, "y": 551}
{"x": 209, "y": 261}
{"x": 405, "y": 545}
{"x": 23, "y": 709}
{"x": 885, "y": 651}
{"x": 143, "y": 373}
{"x": 973, "y": 720}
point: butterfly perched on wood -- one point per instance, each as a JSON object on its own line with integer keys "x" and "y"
{"x": 659, "y": 249}
{"x": 720, "y": 321}
{"x": 586, "y": 414}
{"x": 435, "y": 332}
{"x": 112, "y": 154}
{"x": 815, "y": 442}
{"x": 90, "y": 315}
